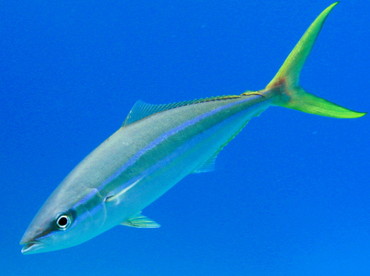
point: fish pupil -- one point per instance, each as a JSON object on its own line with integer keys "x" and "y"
{"x": 63, "y": 222}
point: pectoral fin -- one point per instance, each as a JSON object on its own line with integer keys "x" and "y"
{"x": 141, "y": 221}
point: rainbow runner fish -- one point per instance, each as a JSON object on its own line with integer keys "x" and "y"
{"x": 156, "y": 147}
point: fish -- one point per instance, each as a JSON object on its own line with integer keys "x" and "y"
{"x": 156, "y": 147}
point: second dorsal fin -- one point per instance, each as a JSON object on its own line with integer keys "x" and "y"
{"x": 142, "y": 109}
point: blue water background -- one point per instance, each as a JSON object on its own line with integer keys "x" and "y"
{"x": 290, "y": 195}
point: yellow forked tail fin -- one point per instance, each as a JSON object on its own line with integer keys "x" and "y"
{"x": 287, "y": 78}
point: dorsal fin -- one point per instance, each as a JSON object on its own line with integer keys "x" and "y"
{"x": 142, "y": 109}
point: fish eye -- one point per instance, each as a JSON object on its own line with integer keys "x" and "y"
{"x": 63, "y": 222}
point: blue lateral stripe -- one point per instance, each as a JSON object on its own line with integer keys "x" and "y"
{"x": 163, "y": 137}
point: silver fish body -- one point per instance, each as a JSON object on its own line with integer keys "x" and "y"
{"x": 136, "y": 165}
{"x": 156, "y": 147}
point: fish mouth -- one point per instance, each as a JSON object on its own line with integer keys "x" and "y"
{"x": 31, "y": 247}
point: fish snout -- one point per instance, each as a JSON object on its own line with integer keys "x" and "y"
{"x": 31, "y": 247}
{"x": 31, "y": 240}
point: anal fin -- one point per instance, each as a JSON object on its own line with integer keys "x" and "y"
{"x": 208, "y": 166}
